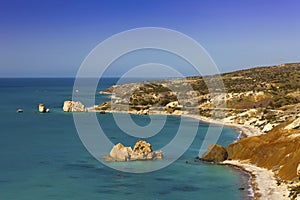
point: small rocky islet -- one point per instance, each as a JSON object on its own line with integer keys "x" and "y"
{"x": 140, "y": 152}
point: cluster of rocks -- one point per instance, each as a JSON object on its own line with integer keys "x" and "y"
{"x": 141, "y": 151}
{"x": 69, "y": 106}
{"x": 43, "y": 109}
{"x": 143, "y": 112}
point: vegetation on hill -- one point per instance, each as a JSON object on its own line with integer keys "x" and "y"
{"x": 262, "y": 87}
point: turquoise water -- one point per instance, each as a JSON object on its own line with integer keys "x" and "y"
{"x": 42, "y": 156}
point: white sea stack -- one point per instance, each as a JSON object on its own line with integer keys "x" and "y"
{"x": 74, "y": 106}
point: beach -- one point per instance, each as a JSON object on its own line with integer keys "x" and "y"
{"x": 263, "y": 181}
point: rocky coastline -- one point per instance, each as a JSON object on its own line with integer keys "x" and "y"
{"x": 262, "y": 103}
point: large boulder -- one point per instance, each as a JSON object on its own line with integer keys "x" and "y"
{"x": 74, "y": 106}
{"x": 215, "y": 153}
{"x": 141, "y": 151}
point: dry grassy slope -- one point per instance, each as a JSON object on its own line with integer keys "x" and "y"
{"x": 278, "y": 86}
{"x": 278, "y": 150}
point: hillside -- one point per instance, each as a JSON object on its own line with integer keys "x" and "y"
{"x": 263, "y": 87}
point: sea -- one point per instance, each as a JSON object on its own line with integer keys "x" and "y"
{"x": 43, "y": 158}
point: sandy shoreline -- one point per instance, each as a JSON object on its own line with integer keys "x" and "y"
{"x": 263, "y": 182}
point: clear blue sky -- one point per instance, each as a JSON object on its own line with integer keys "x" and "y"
{"x": 52, "y": 37}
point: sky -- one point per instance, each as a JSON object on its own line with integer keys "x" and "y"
{"x": 52, "y": 38}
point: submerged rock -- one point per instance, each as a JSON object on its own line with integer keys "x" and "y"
{"x": 141, "y": 151}
{"x": 215, "y": 153}
{"x": 74, "y": 106}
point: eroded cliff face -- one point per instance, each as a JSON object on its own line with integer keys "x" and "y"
{"x": 278, "y": 150}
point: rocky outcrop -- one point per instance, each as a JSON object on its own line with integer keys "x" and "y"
{"x": 74, "y": 106}
{"x": 279, "y": 147}
{"x": 268, "y": 127}
{"x": 295, "y": 124}
{"x": 215, "y": 153}
{"x": 106, "y": 106}
{"x": 141, "y": 151}
{"x": 143, "y": 112}
{"x": 43, "y": 109}
{"x": 172, "y": 106}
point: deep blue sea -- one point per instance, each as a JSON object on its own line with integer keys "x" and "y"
{"x": 43, "y": 158}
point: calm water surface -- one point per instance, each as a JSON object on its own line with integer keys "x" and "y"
{"x": 42, "y": 156}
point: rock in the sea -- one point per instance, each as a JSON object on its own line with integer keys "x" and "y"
{"x": 120, "y": 153}
{"x": 298, "y": 170}
{"x": 19, "y": 111}
{"x": 215, "y": 153}
{"x": 74, "y": 106}
{"x": 141, "y": 151}
{"x": 158, "y": 155}
{"x": 43, "y": 109}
